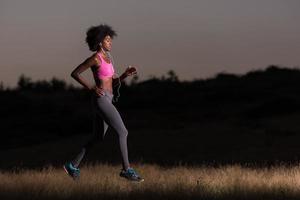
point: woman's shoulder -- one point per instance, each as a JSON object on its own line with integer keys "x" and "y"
{"x": 96, "y": 57}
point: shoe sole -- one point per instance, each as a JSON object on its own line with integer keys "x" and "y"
{"x": 133, "y": 180}
{"x": 66, "y": 170}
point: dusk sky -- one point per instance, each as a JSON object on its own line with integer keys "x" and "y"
{"x": 196, "y": 38}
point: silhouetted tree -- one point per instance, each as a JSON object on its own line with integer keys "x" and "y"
{"x": 42, "y": 86}
{"x": 163, "y": 78}
{"x": 58, "y": 84}
{"x": 226, "y": 76}
{"x": 24, "y": 83}
{"x": 172, "y": 76}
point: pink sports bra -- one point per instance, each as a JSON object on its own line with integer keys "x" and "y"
{"x": 106, "y": 69}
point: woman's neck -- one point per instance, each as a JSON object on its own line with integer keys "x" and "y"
{"x": 103, "y": 52}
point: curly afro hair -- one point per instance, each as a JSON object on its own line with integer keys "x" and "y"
{"x": 96, "y": 34}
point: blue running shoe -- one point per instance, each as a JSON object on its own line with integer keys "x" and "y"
{"x": 71, "y": 170}
{"x": 131, "y": 175}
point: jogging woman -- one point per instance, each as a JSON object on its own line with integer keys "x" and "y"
{"x": 99, "y": 39}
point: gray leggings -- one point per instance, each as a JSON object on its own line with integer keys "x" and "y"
{"x": 105, "y": 114}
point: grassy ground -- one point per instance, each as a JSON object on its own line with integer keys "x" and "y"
{"x": 213, "y": 156}
{"x": 101, "y": 181}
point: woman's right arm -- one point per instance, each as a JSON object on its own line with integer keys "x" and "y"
{"x": 91, "y": 61}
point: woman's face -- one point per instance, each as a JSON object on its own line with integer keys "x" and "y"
{"x": 107, "y": 42}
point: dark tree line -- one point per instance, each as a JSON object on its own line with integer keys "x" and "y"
{"x": 58, "y": 109}
{"x": 55, "y": 84}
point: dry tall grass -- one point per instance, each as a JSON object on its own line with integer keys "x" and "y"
{"x": 101, "y": 181}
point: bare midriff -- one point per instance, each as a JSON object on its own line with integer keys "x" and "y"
{"x": 106, "y": 84}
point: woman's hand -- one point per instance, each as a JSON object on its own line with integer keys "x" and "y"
{"x": 130, "y": 71}
{"x": 97, "y": 91}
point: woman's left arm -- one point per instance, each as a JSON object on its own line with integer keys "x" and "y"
{"x": 128, "y": 72}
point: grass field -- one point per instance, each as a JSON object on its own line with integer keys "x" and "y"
{"x": 221, "y": 160}
{"x": 101, "y": 181}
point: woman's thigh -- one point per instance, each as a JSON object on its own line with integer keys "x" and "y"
{"x": 109, "y": 113}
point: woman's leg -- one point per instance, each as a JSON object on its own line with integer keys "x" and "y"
{"x": 111, "y": 116}
{"x": 99, "y": 130}
{"x": 105, "y": 114}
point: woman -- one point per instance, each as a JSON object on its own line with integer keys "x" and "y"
{"x": 99, "y": 39}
